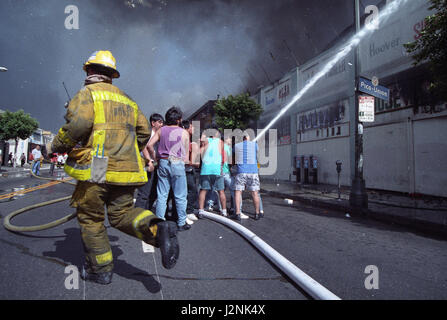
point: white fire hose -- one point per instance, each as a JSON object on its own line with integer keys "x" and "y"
{"x": 312, "y": 287}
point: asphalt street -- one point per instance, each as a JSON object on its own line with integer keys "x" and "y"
{"x": 215, "y": 262}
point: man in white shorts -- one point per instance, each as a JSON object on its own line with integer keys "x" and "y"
{"x": 247, "y": 177}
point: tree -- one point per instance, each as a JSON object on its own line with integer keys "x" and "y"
{"x": 431, "y": 46}
{"x": 15, "y": 125}
{"x": 236, "y": 112}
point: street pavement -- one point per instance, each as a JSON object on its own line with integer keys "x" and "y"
{"x": 419, "y": 212}
{"x": 215, "y": 262}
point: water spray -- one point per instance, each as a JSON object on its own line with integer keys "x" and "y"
{"x": 390, "y": 9}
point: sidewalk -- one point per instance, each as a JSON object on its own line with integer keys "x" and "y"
{"x": 425, "y": 213}
{"x": 7, "y": 171}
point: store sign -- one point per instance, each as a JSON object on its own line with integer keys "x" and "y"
{"x": 284, "y": 140}
{"x": 324, "y": 117}
{"x": 278, "y": 96}
{"x": 36, "y": 138}
{"x": 284, "y": 91}
{"x": 367, "y": 86}
{"x": 270, "y": 97}
{"x": 366, "y": 109}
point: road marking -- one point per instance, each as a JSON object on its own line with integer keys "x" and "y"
{"x": 158, "y": 278}
{"x": 22, "y": 192}
{"x": 147, "y": 248}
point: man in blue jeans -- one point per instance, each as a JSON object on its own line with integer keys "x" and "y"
{"x": 37, "y": 155}
{"x": 172, "y": 154}
{"x": 147, "y": 194}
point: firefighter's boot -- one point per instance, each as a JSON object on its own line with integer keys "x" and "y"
{"x": 100, "y": 277}
{"x": 166, "y": 240}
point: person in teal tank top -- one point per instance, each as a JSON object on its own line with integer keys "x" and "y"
{"x": 211, "y": 176}
{"x": 212, "y": 158}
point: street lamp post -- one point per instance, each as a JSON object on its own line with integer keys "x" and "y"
{"x": 2, "y": 69}
{"x": 358, "y": 198}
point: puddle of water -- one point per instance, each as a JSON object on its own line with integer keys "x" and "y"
{"x": 19, "y": 189}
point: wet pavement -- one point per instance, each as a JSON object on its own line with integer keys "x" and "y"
{"x": 218, "y": 264}
{"x": 423, "y": 213}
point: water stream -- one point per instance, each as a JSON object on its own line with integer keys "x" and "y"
{"x": 353, "y": 42}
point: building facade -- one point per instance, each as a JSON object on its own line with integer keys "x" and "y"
{"x": 404, "y": 148}
{"x": 204, "y": 115}
{"x": 39, "y": 137}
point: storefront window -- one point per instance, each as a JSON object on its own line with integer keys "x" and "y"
{"x": 407, "y": 89}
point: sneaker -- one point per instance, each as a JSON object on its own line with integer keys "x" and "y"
{"x": 257, "y": 216}
{"x": 184, "y": 227}
{"x": 236, "y": 217}
{"x": 166, "y": 239}
{"x": 224, "y": 213}
{"x": 192, "y": 217}
{"x": 101, "y": 278}
{"x": 244, "y": 216}
{"x": 189, "y": 221}
{"x": 261, "y": 214}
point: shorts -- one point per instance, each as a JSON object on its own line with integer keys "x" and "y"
{"x": 247, "y": 180}
{"x": 208, "y": 182}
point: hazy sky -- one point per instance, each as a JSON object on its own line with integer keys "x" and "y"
{"x": 168, "y": 51}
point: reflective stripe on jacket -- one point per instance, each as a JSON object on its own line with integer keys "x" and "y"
{"x": 104, "y": 121}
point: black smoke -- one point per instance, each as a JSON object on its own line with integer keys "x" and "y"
{"x": 168, "y": 51}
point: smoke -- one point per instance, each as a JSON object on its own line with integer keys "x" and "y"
{"x": 168, "y": 52}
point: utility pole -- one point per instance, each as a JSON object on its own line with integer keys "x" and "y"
{"x": 358, "y": 198}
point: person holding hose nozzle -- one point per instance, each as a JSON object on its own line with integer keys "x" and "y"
{"x": 110, "y": 131}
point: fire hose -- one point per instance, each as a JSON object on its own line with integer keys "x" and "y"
{"x": 7, "y": 220}
{"x": 312, "y": 287}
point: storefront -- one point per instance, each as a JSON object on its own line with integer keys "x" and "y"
{"x": 404, "y": 148}
{"x": 273, "y": 99}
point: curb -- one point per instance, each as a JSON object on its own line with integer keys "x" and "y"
{"x": 343, "y": 206}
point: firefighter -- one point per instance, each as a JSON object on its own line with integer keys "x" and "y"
{"x": 103, "y": 136}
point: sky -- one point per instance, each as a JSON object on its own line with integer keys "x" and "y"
{"x": 169, "y": 52}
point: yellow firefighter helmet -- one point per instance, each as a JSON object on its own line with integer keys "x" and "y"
{"x": 105, "y": 59}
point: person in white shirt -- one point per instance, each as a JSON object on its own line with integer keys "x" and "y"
{"x": 60, "y": 160}
{"x": 37, "y": 155}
